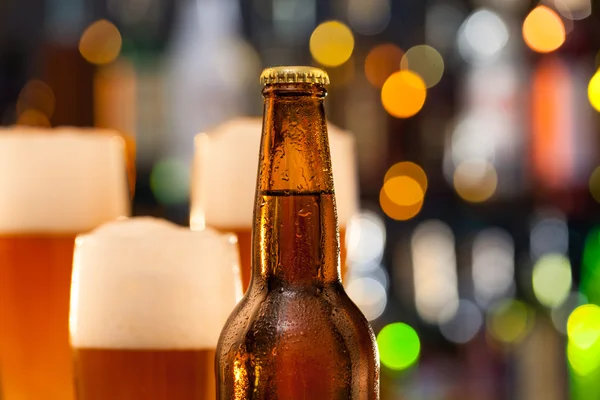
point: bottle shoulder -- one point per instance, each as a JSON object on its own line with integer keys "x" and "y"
{"x": 270, "y": 318}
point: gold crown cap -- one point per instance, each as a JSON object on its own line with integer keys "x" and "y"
{"x": 294, "y": 74}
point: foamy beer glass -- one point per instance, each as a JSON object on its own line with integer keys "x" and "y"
{"x": 54, "y": 184}
{"x": 148, "y": 302}
{"x": 224, "y": 182}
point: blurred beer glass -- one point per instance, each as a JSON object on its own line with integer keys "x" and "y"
{"x": 54, "y": 184}
{"x": 148, "y": 301}
{"x": 224, "y": 182}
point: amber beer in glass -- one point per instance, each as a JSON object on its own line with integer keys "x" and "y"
{"x": 54, "y": 184}
{"x": 224, "y": 182}
{"x": 296, "y": 335}
{"x": 148, "y": 301}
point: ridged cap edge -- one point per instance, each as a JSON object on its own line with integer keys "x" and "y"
{"x": 294, "y": 74}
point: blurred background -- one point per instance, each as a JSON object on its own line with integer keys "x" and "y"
{"x": 476, "y": 254}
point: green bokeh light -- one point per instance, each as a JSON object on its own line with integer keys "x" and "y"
{"x": 552, "y": 279}
{"x": 170, "y": 181}
{"x": 399, "y": 346}
{"x": 590, "y": 269}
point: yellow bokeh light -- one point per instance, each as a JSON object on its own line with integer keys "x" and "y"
{"x": 382, "y": 61}
{"x": 583, "y": 326}
{"x": 403, "y": 94}
{"x": 583, "y": 330}
{"x": 543, "y": 30}
{"x": 510, "y": 321}
{"x": 36, "y": 95}
{"x": 595, "y": 184}
{"x": 583, "y": 362}
{"x": 552, "y": 279}
{"x": 101, "y": 42}
{"x": 475, "y": 181}
{"x": 331, "y": 43}
{"x": 594, "y": 91}
{"x": 32, "y": 117}
{"x": 425, "y": 61}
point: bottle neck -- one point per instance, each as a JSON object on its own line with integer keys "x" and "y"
{"x": 295, "y": 236}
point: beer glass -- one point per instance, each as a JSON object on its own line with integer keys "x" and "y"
{"x": 224, "y": 182}
{"x": 148, "y": 301}
{"x": 54, "y": 184}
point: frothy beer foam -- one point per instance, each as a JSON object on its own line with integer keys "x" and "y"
{"x": 145, "y": 283}
{"x": 226, "y": 166}
{"x": 62, "y": 180}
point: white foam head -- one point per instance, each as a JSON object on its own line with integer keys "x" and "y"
{"x": 145, "y": 283}
{"x": 226, "y": 166}
{"x": 63, "y": 180}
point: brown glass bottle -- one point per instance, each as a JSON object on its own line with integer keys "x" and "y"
{"x": 296, "y": 334}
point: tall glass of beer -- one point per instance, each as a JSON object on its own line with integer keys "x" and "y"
{"x": 148, "y": 301}
{"x": 224, "y": 181}
{"x": 54, "y": 184}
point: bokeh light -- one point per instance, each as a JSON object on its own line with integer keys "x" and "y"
{"x": 331, "y": 43}
{"x": 549, "y": 234}
{"x": 475, "y": 181}
{"x": 583, "y": 361}
{"x": 442, "y": 22}
{"x": 594, "y": 91}
{"x": 561, "y": 314}
{"x": 543, "y": 30}
{"x": 369, "y": 17}
{"x": 403, "y": 94}
{"x": 589, "y": 283}
{"x": 482, "y": 36}
{"x": 36, "y": 95}
{"x": 408, "y": 169}
{"x": 463, "y": 325}
{"x": 395, "y": 211}
{"x": 403, "y": 191}
{"x": 365, "y": 238}
{"x": 426, "y": 61}
{"x": 595, "y": 184}
{"x": 493, "y": 265}
{"x": 552, "y": 279}
{"x": 381, "y": 62}
{"x": 434, "y": 271}
{"x": 583, "y": 331}
{"x": 574, "y": 9}
{"x": 368, "y": 294}
{"x": 399, "y": 346}
{"x": 583, "y": 326}
{"x": 101, "y": 42}
{"x": 509, "y": 321}
{"x": 170, "y": 181}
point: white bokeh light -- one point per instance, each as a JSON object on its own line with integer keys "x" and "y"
{"x": 482, "y": 36}
{"x": 365, "y": 238}
{"x": 369, "y": 295}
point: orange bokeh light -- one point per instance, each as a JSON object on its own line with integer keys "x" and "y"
{"x": 382, "y": 61}
{"x": 403, "y": 94}
{"x": 395, "y": 211}
{"x": 403, "y": 191}
{"x": 543, "y": 30}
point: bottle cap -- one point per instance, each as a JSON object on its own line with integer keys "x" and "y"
{"x": 294, "y": 74}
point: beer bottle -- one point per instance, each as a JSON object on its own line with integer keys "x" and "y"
{"x": 296, "y": 334}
